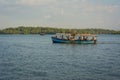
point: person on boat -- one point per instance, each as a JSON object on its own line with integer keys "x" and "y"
{"x": 62, "y": 37}
{"x": 68, "y": 37}
{"x": 94, "y": 39}
{"x": 81, "y": 38}
{"x": 86, "y": 38}
{"x": 56, "y": 36}
{"x": 72, "y": 38}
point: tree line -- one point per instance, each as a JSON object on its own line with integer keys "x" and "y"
{"x": 48, "y": 30}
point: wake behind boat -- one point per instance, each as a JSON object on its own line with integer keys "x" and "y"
{"x": 74, "y": 38}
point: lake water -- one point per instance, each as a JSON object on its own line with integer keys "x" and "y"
{"x": 35, "y": 57}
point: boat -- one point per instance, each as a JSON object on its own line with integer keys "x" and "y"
{"x": 42, "y": 31}
{"x": 75, "y": 39}
{"x": 42, "y": 34}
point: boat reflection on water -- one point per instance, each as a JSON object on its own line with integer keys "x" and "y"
{"x": 74, "y": 38}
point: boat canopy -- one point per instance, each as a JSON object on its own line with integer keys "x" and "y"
{"x": 68, "y": 34}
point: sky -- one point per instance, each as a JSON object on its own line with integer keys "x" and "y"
{"x": 60, "y": 13}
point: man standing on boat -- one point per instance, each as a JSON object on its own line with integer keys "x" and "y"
{"x": 94, "y": 39}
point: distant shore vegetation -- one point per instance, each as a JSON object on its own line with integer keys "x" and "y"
{"x": 48, "y": 30}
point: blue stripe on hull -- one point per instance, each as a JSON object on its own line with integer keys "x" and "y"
{"x": 57, "y": 40}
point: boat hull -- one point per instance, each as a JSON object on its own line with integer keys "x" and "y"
{"x": 57, "y": 40}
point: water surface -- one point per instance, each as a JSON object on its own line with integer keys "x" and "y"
{"x": 35, "y": 57}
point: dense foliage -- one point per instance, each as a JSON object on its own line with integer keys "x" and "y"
{"x": 48, "y": 30}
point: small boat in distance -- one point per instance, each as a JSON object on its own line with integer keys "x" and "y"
{"x": 42, "y": 34}
{"x": 74, "y": 38}
{"x": 42, "y": 31}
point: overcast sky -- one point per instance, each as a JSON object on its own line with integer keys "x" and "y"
{"x": 60, "y": 13}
